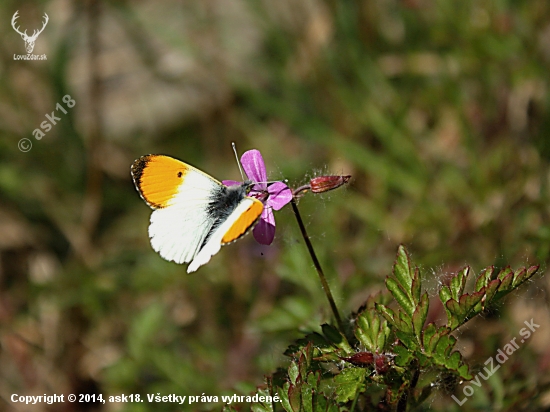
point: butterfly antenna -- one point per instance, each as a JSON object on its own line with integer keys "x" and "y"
{"x": 238, "y": 161}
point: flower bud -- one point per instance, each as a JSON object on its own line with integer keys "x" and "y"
{"x": 325, "y": 183}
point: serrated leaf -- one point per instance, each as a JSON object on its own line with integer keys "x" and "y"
{"x": 371, "y": 331}
{"x": 464, "y": 309}
{"x": 420, "y": 315}
{"x": 416, "y": 288}
{"x": 407, "y": 339}
{"x": 464, "y": 372}
{"x": 458, "y": 282}
{"x": 505, "y": 272}
{"x": 490, "y": 290}
{"x": 401, "y": 295}
{"x": 388, "y": 314}
{"x": 305, "y": 360}
{"x": 402, "y": 268}
{"x": 445, "y": 294}
{"x": 348, "y": 383}
{"x": 404, "y": 323}
{"x": 506, "y": 283}
{"x": 443, "y": 347}
{"x": 404, "y": 356}
{"x": 453, "y": 361}
{"x": 295, "y": 398}
{"x": 364, "y": 334}
{"x": 383, "y": 336}
{"x": 522, "y": 275}
{"x": 469, "y": 300}
{"x": 262, "y": 406}
{"x": 427, "y": 336}
{"x": 293, "y": 372}
{"x": 285, "y": 401}
{"x": 306, "y": 398}
{"x": 484, "y": 278}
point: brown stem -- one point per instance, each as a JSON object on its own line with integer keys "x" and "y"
{"x": 317, "y": 265}
{"x": 298, "y": 191}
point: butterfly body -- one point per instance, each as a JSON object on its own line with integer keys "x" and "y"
{"x": 193, "y": 213}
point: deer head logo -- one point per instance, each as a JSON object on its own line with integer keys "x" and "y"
{"x": 29, "y": 40}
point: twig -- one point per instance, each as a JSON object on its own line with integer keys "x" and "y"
{"x": 317, "y": 265}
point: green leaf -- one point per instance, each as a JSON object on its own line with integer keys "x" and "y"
{"x": 349, "y": 382}
{"x": 420, "y": 315}
{"x": 262, "y": 406}
{"x": 404, "y": 323}
{"x": 490, "y": 291}
{"x": 505, "y": 272}
{"x": 388, "y": 314}
{"x": 404, "y": 356}
{"x": 293, "y": 372}
{"x": 285, "y": 400}
{"x": 407, "y": 339}
{"x": 416, "y": 289}
{"x": 427, "y": 335}
{"x": 404, "y": 283}
{"x": 445, "y": 294}
{"x": 463, "y": 310}
{"x": 484, "y": 278}
{"x": 402, "y": 296}
{"x": 305, "y": 360}
{"x": 458, "y": 282}
{"x": 372, "y": 331}
{"x": 402, "y": 268}
{"x": 318, "y": 341}
{"x": 295, "y": 398}
{"x": 464, "y": 372}
{"x": 523, "y": 276}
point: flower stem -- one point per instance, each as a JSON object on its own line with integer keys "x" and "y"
{"x": 317, "y": 265}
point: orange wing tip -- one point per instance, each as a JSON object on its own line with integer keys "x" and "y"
{"x": 158, "y": 178}
{"x": 244, "y": 222}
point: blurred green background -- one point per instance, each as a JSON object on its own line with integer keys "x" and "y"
{"x": 439, "y": 109}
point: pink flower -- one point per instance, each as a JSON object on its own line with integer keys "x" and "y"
{"x": 273, "y": 195}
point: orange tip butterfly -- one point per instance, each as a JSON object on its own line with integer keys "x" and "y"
{"x": 194, "y": 215}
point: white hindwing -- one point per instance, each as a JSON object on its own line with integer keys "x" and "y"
{"x": 215, "y": 241}
{"x": 178, "y": 230}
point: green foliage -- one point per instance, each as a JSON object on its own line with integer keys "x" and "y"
{"x": 383, "y": 359}
{"x": 439, "y": 110}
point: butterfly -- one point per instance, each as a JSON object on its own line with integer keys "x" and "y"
{"x": 194, "y": 215}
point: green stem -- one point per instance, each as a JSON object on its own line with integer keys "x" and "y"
{"x": 317, "y": 265}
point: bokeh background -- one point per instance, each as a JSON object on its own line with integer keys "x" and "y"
{"x": 439, "y": 109}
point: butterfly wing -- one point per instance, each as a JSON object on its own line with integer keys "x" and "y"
{"x": 239, "y": 222}
{"x": 180, "y": 195}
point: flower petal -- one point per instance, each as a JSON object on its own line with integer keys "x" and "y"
{"x": 264, "y": 232}
{"x": 230, "y": 182}
{"x": 279, "y": 195}
{"x": 254, "y": 167}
